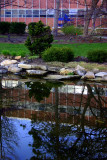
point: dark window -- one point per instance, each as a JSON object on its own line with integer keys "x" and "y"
{"x": 35, "y": 13}
{"x": 42, "y": 13}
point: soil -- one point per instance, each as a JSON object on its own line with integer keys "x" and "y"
{"x": 59, "y": 39}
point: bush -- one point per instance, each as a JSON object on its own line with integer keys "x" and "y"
{"x": 17, "y": 27}
{"x": 5, "y": 52}
{"x": 72, "y": 30}
{"x": 63, "y": 54}
{"x": 39, "y": 39}
{"x": 97, "y": 56}
{"x": 4, "y": 27}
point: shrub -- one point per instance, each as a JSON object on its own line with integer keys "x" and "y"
{"x": 39, "y": 39}
{"x": 97, "y": 56}
{"x": 5, "y": 52}
{"x": 4, "y": 27}
{"x": 21, "y": 53}
{"x": 63, "y": 54}
{"x": 72, "y": 30}
{"x": 17, "y": 27}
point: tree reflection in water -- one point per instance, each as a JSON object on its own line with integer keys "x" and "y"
{"x": 79, "y": 140}
{"x": 8, "y": 134}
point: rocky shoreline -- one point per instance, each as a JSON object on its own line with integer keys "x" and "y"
{"x": 20, "y": 67}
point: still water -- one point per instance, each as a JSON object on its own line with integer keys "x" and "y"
{"x": 48, "y": 120}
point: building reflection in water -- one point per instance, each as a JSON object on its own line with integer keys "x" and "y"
{"x": 68, "y": 120}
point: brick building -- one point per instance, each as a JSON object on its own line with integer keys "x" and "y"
{"x": 34, "y": 10}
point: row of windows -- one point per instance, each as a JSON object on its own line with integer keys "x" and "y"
{"x": 41, "y": 13}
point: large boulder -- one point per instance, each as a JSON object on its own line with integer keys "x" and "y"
{"x": 80, "y": 70}
{"x": 89, "y": 75}
{"x": 24, "y": 66}
{"x": 101, "y": 74}
{"x": 40, "y": 67}
{"x": 8, "y": 62}
{"x": 65, "y": 71}
{"x": 3, "y": 70}
{"x": 61, "y": 77}
{"x": 36, "y": 72}
{"x": 14, "y": 69}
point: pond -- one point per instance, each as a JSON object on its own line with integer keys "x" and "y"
{"x": 52, "y": 120}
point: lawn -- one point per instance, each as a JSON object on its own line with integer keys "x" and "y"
{"x": 79, "y": 49}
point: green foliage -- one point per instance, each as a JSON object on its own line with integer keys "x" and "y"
{"x": 72, "y": 30}
{"x": 21, "y": 53}
{"x": 63, "y": 54}
{"x": 13, "y": 53}
{"x": 4, "y": 27}
{"x": 97, "y": 56}
{"x": 70, "y": 73}
{"x": 17, "y": 27}
{"x": 5, "y": 52}
{"x": 40, "y": 38}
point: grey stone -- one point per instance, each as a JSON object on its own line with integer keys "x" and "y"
{"x": 8, "y": 62}
{"x": 36, "y": 72}
{"x": 104, "y": 78}
{"x": 89, "y": 75}
{"x": 40, "y": 67}
{"x": 61, "y": 77}
{"x": 80, "y": 72}
{"x": 14, "y": 69}
{"x": 100, "y": 74}
{"x": 24, "y": 66}
{"x": 53, "y": 69}
{"x": 3, "y": 70}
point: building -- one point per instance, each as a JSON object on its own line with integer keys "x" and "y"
{"x": 34, "y": 10}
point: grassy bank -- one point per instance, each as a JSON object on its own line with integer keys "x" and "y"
{"x": 79, "y": 49}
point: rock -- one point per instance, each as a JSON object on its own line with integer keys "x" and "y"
{"x": 80, "y": 70}
{"x": 40, "y": 67}
{"x": 104, "y": 78}
{"x": 78, "y": 67}
{"x": 95, "y": 70}
{"x": 24, "y": 66}
{"x": 53, "y": 69}
{"x": 61, "y": 77}
{"x": 89, "y": 75}
{"x": 17, "y": 57}
{"x": 14, "y": 69}
{"x": 36, "y": 72}
{"x": 3, "y": 70}
{"x": 8, "y": 62}
{"x": 65, "y": 71}
{"x": 100, "y": 74}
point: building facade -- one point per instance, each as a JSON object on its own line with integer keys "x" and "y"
{"x": 34, "y": 10}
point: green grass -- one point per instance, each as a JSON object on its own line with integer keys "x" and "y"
{"x": 83, "y": 48}
{"x": 79, "y": 49}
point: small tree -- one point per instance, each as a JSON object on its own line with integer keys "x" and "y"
{"x": 39, "y": 38}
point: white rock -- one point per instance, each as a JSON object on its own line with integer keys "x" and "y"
{"x": 25, "y": 66}
{"x": 61, "y": 77}
{"x": 41, "y": 67}
{"x": 17, "y": 57}
{"x": 8, "y": 62}
{"x": 78, "y": 67}
{"x": 100, "y": 74}
{"x": 89, "y": 75}
{"x": 65, "y": 71}
{"x": 14, "y": 69}
{"x": 36, "y": 72}
{"x": 104, "y": 78}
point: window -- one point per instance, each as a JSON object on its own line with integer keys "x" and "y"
{"x": 28, "y": 13}
{"x": 81, "y": 13}
{"x": 14, "y": 13}
{"x": 7, "y": 13}
{"x": 21, "y": 13}
{"x": 35, "y": 13}
{"x": 42, "y": 13}
{"x": 50, "y": 12}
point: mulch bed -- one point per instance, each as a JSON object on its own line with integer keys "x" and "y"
{"x": 59, "y": 39}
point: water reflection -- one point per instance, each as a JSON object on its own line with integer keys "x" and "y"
{"x": 68, "y": 121}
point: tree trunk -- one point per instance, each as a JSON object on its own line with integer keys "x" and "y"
{"x": 56, "y": 16}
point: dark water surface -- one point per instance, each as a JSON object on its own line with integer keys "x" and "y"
{"x": 48, "y": 120}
